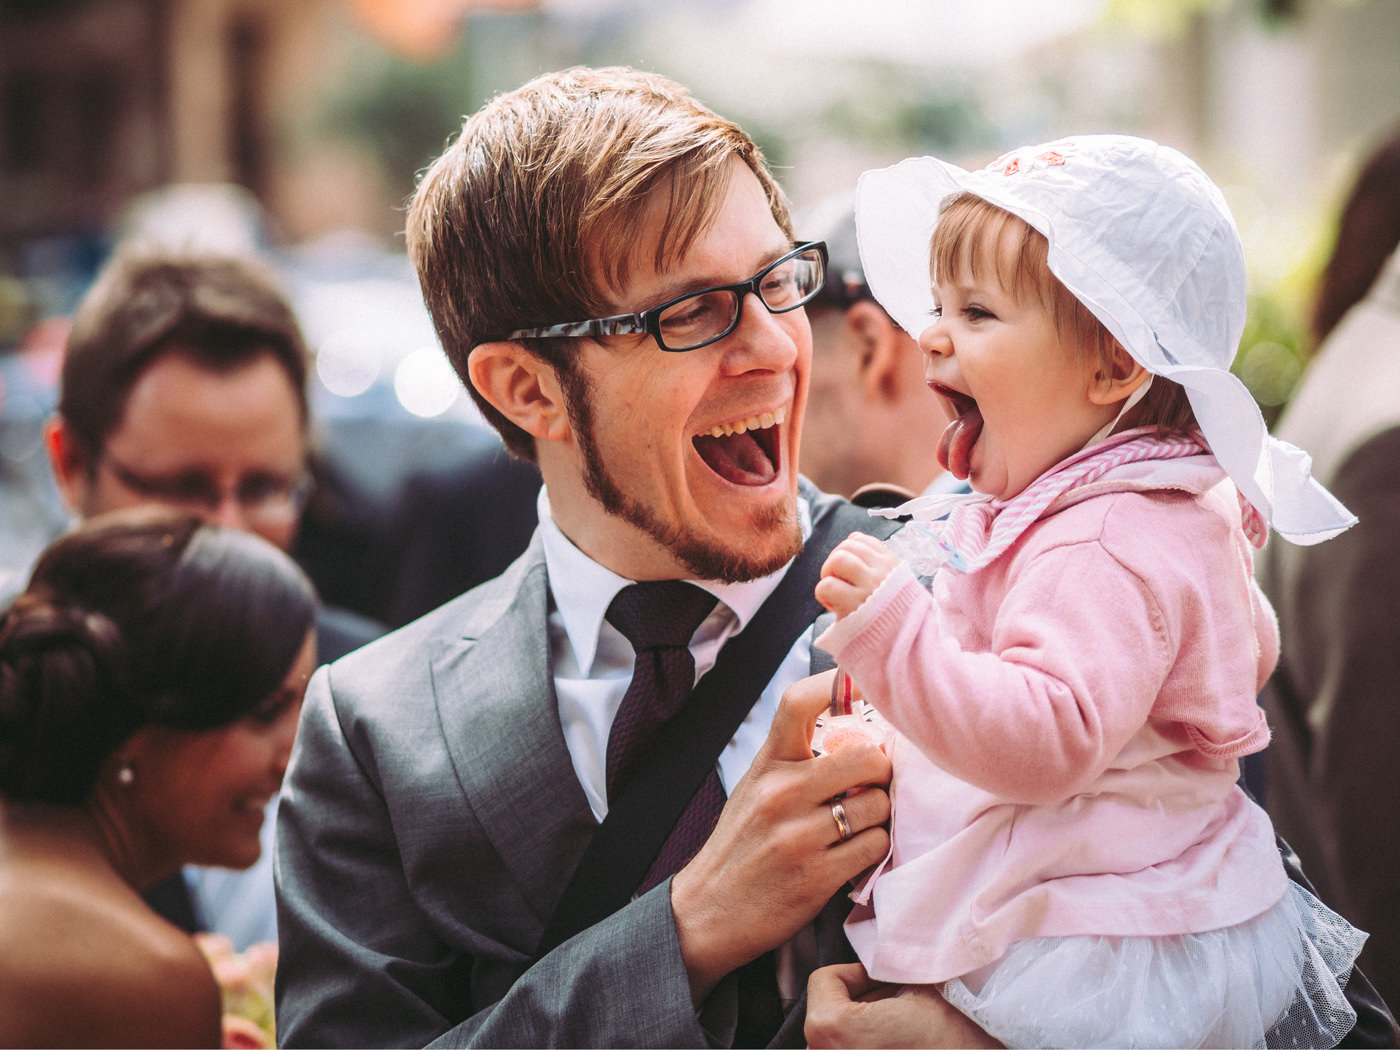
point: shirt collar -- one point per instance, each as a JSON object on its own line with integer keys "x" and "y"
{"x": 582, "y": 589}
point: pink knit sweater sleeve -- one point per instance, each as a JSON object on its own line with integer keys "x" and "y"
{"x": 1076, "y": 651}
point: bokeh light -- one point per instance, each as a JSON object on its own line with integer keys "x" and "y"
{"x": 1270, "y": 370}
{"x": 425, "y": 383}
{"x": 347, "y": 364}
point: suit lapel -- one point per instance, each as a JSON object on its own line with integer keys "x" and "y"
{"x": 500, "y": 720}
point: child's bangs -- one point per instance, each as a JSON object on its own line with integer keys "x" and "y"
{"x": 974, "y": 237}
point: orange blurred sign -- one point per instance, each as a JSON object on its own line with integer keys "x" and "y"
{"x": 425, "y": 29}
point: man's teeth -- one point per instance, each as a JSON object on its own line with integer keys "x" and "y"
{"x": 759, "y": 422}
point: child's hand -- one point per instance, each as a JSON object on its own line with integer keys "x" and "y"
{"x": 852, "y": 571}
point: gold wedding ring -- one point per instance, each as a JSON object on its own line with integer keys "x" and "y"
{"x": 843, "y": 826}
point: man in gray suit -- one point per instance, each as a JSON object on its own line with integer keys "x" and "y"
{"x": 448, "y": 779}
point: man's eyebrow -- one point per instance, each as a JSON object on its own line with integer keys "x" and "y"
{"x": 684, "y": 286}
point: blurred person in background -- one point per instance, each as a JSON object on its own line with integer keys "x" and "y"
{"x": 184, "y": 385}
{"x": 31, "y": 348}
{"x": 151, "y": 676}
{"x": 872, "y": 425}
{"x": 461, "y": 525}
{"x": 1331, "y": 782}
{"x": 405, "y": 512}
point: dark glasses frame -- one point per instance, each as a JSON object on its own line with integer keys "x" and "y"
{"x": 649, "y": 321}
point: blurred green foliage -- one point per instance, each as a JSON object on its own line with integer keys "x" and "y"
{"x": 403, "y": 112}
{"x": 1158, "y": 17}
{"x": 1270, "y": 358}
{"x": 1171, "y": 17}
{"x": 1277, "y": 343}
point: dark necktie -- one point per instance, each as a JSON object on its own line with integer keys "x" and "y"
{"x": 659, "y": 618}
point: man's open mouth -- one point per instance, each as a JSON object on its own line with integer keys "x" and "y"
{"x": 959, "y": 437}
{"x": 745, "y": 451}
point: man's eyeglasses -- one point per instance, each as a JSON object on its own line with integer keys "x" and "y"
{"x": 697, "y": 319}
{"x": 262, "y": 497}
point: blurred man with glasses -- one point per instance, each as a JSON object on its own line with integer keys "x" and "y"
{"x": 871, "y": 425}
{"x": 184, "y": 384}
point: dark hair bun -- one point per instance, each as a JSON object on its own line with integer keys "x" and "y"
{"x": 136, "y": 618}
{"x": 62, "y": 691}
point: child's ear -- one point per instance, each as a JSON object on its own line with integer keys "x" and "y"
{"x": 1116, "y": 381}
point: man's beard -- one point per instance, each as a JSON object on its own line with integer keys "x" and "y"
{"x": 703, "y": 557}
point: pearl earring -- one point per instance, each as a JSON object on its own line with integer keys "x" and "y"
{"x": 126, "y": 775}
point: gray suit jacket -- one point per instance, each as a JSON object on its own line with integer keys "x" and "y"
{"x": 429, "y": 824}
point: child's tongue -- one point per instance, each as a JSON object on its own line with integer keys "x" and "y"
{"x": 955, "y": 446}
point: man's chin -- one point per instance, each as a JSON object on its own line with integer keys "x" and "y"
{"x": 759, "y": 544}
{"x": 773, "y": 538}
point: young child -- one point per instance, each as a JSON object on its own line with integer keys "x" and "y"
{"x": 1072, "y": 860}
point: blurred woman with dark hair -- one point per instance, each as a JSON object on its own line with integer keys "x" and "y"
{"x": 1368, "y": 230}
{"x": 150, "y": 681}
{"x": 1332, "y": 784}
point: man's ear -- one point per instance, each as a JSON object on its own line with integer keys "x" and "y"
{"x": 1113, "y": 383}
{"x": 70, "y": 462}
{"x": 522, "y": 387}
{"x": 881, "y": 345}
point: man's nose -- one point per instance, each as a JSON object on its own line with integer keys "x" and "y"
{"x": 761, "y": 341}
{"x": 229, "y": 511}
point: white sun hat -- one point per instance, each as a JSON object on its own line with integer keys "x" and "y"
{"x": 1143, "y": 238}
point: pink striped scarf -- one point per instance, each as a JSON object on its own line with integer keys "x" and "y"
{"x": 980, "y": 529}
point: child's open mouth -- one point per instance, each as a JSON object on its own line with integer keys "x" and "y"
{"x": 959, "y": 437}
{"x": 746, "y": 451}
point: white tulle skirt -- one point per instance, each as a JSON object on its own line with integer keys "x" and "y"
{"x": 1275, "y": 981}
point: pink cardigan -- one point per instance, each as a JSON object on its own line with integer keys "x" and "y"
{"x": 1070, "y": 719}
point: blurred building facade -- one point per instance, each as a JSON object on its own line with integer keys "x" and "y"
{"x": 102, "y": 100}
{"x": 313, "y": 116}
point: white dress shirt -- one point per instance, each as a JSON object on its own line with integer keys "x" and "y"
{"x": 592, "y": 661}
{"x": 592, "y": 664}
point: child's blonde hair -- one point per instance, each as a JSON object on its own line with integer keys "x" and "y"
{"x": 968, "y": 228}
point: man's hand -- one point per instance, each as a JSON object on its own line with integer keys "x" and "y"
{"x": 776, "y": 857}
{"x": 852, "y": 571}
{"x": 846, "y": 1008}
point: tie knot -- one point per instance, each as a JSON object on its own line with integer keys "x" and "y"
{"x": 659, "y": 613}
